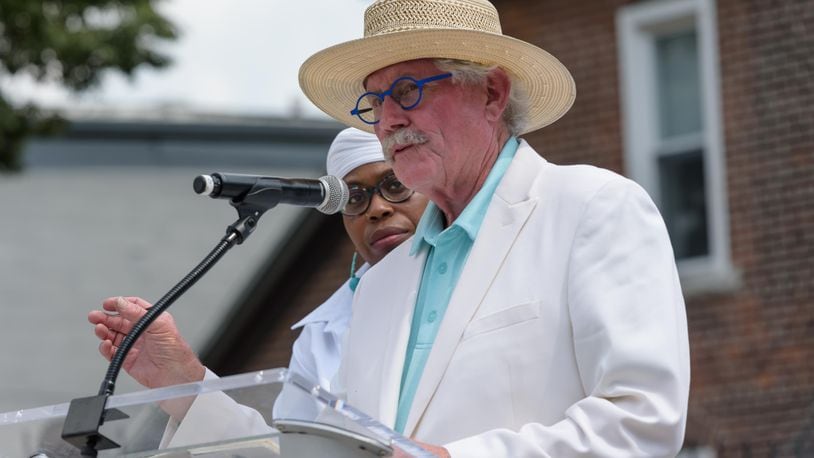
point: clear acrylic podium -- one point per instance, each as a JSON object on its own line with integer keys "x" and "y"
{"x": 270, "y": 413}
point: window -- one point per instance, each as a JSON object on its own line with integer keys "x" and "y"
{"x": 673, "y": 131}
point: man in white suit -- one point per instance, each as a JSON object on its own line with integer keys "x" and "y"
{"x": 537, "y": 310}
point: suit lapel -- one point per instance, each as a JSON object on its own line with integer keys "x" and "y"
{"x": 379, "y": 333}
{"x": 507, "y": 213}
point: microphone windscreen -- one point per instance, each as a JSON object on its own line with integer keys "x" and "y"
{"x": 336, "y": 195}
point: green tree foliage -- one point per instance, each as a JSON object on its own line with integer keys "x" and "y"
{"x": 71, "y": 42}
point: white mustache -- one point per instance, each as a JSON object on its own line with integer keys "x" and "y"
{"x": 402, "y": 137}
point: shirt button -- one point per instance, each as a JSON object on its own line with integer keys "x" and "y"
{"x": 442, "y": 269}
{"x": 432, "y": 316}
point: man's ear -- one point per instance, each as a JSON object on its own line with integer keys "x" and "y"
{"x": 498, "y": 87}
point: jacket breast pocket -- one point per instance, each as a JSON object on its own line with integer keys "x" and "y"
{"x": 513, "y": 315}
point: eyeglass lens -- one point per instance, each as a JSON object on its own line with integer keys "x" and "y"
{"x": 405, "y": 91}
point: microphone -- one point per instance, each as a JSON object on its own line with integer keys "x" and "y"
{"x": 328, "y": 194}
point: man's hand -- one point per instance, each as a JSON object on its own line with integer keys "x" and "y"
{"x": 160, "y": 357}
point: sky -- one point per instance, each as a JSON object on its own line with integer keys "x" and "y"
{"x": 232, "y": 57}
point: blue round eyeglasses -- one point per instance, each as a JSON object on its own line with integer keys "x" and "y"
{"x": 406, "y": 91}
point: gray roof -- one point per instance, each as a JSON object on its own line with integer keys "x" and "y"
{"x": 97, "y": 215}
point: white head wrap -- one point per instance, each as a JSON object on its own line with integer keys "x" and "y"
{"x": 350, "y": 149}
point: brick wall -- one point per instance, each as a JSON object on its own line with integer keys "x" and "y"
{"x": 753, "y": 351}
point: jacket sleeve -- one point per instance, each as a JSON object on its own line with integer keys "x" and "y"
{"x": 629, "y": 336}
{"x": 293, "y": 403}
{"x": 211, "y": 417}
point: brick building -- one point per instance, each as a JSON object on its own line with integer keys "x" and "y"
{"x": 709, "y": 104}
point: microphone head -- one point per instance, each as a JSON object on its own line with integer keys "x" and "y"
{"x": 203, "y": 184}
{"x": 336, "y": 195}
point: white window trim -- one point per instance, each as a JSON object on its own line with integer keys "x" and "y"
{"x": 637, "y": 25}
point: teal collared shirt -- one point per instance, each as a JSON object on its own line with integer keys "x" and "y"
{"x": 447, "y": 250}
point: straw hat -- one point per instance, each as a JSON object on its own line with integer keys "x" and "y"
{"x": 402, "y": 30}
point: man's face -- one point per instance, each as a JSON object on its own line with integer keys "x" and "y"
{"x": 437, "y": 144}
{"x": 384, "y": 225}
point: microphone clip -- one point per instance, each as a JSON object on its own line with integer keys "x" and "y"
{"x": 248, "y": 214}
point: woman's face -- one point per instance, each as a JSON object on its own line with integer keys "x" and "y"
{"x": 384, "y": 225}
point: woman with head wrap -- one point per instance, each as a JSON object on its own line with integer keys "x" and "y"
{"x": 380, "y": 215}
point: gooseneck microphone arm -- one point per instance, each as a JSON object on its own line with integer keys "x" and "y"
{"x": 86, "y": 415}
{"x": 109, "y": 383}
{"x": 237, "y": 232}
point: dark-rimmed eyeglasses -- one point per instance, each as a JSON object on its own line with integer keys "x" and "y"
{"x": 406, "y": 91}
{"x": 389, "y": 187}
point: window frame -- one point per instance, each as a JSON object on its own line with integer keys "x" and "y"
{"x": 638, "y": 25}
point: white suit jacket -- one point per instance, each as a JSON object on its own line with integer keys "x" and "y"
{"x": 565, "y": 336}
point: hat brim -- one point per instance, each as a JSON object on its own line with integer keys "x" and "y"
{"x": 332, "y": 78}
